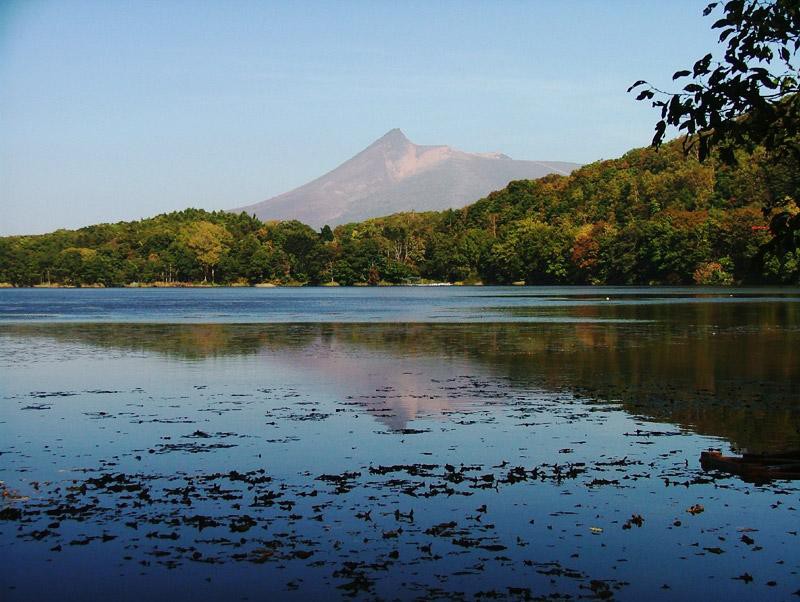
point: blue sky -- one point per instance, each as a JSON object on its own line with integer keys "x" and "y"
{"x": 114, "y": 110}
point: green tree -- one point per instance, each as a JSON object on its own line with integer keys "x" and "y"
{"x": 326, "y": 234}
{"x": 268, "y": 263}
{"x": 533, "y": 251}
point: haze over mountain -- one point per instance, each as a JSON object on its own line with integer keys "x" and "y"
{"x": 393, "y": 174}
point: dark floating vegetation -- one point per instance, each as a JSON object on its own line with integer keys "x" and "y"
{"x": 170, "y": 520}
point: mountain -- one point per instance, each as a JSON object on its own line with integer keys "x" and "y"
{"x": 393, "y": 174}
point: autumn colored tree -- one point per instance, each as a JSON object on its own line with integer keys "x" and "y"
{"x": 209, "y": 242}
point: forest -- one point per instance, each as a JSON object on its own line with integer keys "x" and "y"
{"x": 652, "y": 216}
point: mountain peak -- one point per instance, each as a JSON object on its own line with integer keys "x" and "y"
{"x": 394, "y": 136}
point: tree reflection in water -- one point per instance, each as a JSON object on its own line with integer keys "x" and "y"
{"x": 730, "y": 370}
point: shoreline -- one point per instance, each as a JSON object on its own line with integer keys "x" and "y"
{"x": 184, "y": 285}
{"x": 235, "y": 285}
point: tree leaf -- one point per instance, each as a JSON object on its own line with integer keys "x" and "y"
{"x": 701, "y": 66}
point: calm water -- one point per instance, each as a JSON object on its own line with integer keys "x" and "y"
{"x": 389, "y": 304}
{"x": 395, "y": 443}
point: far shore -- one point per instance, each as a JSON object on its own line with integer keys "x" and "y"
{"x": 245, "y": 285}
{"x": 382, "y": 284}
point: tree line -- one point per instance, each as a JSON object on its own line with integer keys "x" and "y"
{"x": 653, "y": 216}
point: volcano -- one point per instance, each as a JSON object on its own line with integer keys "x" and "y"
{"x": 392, "y": 175}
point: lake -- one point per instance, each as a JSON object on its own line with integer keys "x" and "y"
{"x": 396, "y": 443}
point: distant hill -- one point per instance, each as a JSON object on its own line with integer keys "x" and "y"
{"x": 648, "y": 217}
{"x": 392, "y": 175}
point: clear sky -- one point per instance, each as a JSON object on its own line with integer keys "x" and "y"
{"x": 114, "y": 110}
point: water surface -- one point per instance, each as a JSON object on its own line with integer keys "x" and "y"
{"x": 395, "y": 443}
{"x": 362, "y": 304}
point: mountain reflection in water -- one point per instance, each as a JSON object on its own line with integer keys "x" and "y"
{"x": 726, "y": 370}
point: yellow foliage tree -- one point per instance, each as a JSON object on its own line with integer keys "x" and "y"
{"x": 209, "y": 242}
